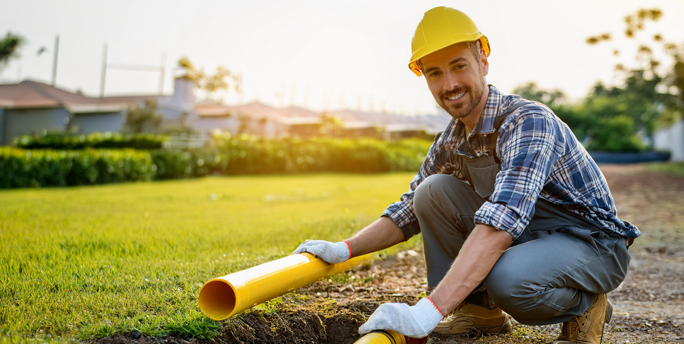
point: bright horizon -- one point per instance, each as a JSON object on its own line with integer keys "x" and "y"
{"x": 320, "y": 55}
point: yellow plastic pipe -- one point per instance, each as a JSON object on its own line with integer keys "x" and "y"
{"x": 382, "y": 337}
{"x": 389, "y": 337}
{"x": 225, "y": 296}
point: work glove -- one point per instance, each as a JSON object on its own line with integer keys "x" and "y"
{"x": 411, "y": 321}
{"x": 331, "y": 253}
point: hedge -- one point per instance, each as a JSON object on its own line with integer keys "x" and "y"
{"x": 106, "y": 140}
{"x": 35, "y": 168}
{"x": 177, "y": 164}
{"x": 230, "y": 155}
{"x": 250, "y": 155}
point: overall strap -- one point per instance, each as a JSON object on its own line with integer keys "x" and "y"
{"x": 499, "y": 120}
{"x": 497, "y": 124}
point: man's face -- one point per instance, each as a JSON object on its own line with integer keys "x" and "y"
{"x": 456, "y": 79}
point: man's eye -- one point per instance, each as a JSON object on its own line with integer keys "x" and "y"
{"x": 460, "y": 66}
{"x": 433, "y": 74}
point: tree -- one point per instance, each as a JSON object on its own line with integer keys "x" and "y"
{"x": 222, "y": 80}
{"x": 330, "y": 125}
{"x": 9, "y": 48}
{"x": 675, "y": 79}
{"x": 530, "y": 90}
{"x": 648, "y": 83}
{"x": 605, "y": 120}
{"x": 143, "y": 118}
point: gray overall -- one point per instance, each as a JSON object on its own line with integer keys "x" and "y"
{"x": 550, "y": 273}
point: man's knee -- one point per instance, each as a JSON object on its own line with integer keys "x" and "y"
{"x": 433, "y": 192}
{"x": 511, "y": 291}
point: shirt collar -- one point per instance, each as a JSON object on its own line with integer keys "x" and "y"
{"x": 486, "y": 123}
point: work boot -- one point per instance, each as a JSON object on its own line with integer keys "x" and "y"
{"x": 588, "y": 327}
{"x": 474, "y": 320}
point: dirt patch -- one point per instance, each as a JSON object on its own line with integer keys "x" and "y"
{"x": 295, "y": 323}
{"x": 648, "y": 306}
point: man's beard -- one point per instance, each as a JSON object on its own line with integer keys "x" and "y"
{"x": 464, "y": 109}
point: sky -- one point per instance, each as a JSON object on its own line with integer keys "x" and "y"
{"x": 324, "y": 55}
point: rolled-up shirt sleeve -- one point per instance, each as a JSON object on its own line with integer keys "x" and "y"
{"x": 402, "y": 212}
{"x": 528, "y": 146}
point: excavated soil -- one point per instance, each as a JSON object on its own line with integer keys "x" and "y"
{"x": 648, "y": 306}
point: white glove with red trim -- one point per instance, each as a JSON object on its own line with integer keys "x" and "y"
{"x": 411, "y": 321}
{"x": 331, "y": 253}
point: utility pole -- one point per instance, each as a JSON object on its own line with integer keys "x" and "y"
{"x": 104, "y": 70}
{"x": 54, "y": 61}
{"x": 162, "y": 71}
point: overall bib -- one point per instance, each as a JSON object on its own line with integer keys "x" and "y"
{"x": 552, "y": 270}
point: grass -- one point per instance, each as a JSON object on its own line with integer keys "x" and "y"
{"x": 674, "y": 168}
{"x": 88, "y": 262}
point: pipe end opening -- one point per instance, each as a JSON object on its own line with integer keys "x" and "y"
{"x": 217, "y": 299}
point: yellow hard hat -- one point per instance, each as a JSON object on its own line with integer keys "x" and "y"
{"x": 440, "y": 28}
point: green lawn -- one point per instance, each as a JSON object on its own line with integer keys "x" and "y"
{"x": 91, "y": 261}
{"x": 674, "y": 168}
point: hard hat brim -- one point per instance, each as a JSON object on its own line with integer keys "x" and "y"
{"x": 414, "y": 66}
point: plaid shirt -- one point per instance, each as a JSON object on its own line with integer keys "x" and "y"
{"x": 540, "y": 157}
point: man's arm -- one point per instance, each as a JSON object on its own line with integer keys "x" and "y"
{"x": 377, "y": 236}
{"x": 477, "y": 257}
{"x": 479, "y": 253}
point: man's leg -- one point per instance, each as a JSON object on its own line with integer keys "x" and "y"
{"x": 555, "y": 276}
{"x": 445, "y": 207}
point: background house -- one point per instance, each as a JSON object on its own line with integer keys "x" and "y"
{"x": 31, "y": 107}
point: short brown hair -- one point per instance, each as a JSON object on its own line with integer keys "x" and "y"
{"x": 476, "y": 48}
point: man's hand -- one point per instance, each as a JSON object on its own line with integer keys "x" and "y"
{"x": 411, "y": 321}
{"x": 331, "y": 253}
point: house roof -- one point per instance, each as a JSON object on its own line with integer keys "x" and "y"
{"x": 300, "y": 112}
{"x": 255, "y": 110}
{"x": 32, "y": 94}
{"x": 356, "y": 119}
{"x": 289, "y": 116}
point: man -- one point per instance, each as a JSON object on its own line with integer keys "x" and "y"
{"x": 515, "y": 215}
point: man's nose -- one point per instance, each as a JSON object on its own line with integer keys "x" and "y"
{"x": 451, "y": 81}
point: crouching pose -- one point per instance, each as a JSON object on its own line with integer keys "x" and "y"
{"x": 516, "y": 217}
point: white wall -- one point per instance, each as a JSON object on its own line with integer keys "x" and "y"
{"x": 671, "y": 139}
{"x": 91, "y": 122}
{"x": 183, "y": 94}
{"x": 33, "y": 121}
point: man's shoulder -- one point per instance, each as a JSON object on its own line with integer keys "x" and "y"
{"x": 515, "y": 108}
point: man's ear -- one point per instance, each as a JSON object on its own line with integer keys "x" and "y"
{"x": 484, "y": 63}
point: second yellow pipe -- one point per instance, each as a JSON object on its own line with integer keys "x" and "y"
{"x": 388, "y": 337}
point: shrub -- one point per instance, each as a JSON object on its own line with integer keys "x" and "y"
{"x": 231, "y": 155}
{"x": 94, "y": 140}
{"x": 175, "y": 164}
{"x": 615, "y": 135}
{"x": 248, "y": 154}
{"x": 36, "y": 168}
